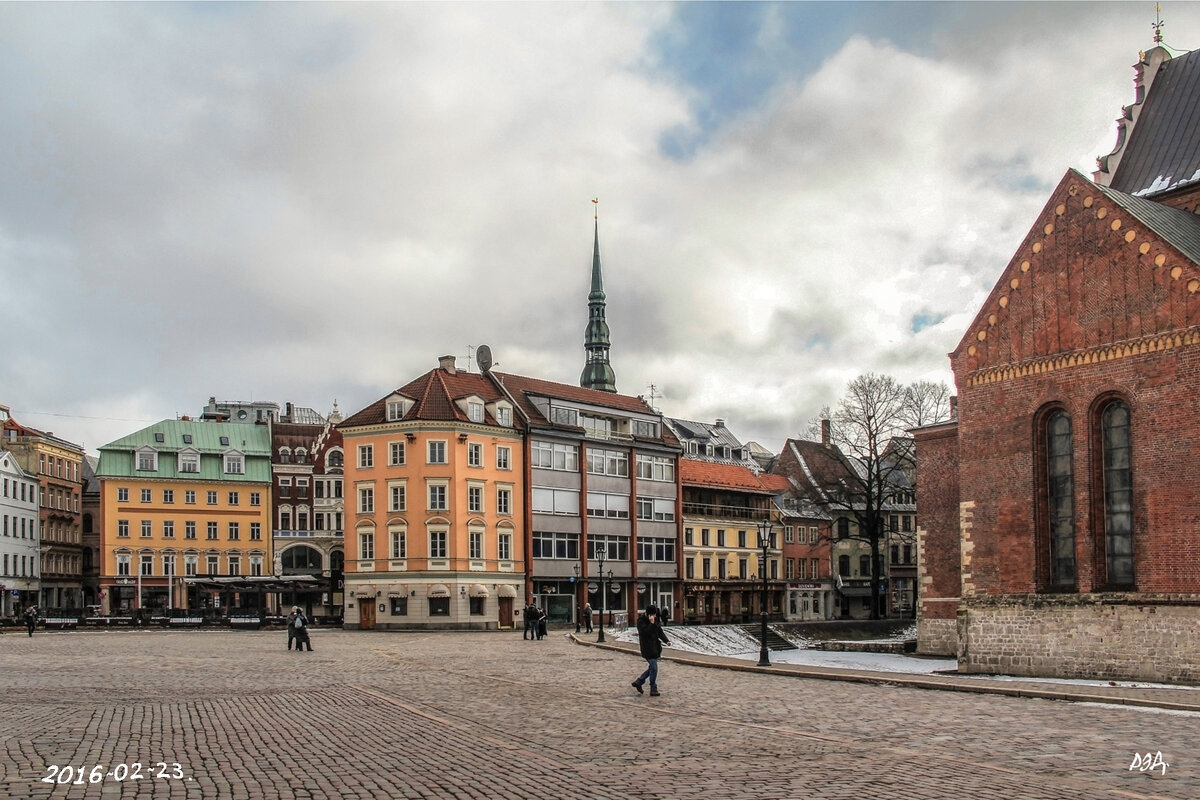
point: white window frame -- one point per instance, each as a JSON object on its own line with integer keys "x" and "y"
{"x": 366, "y": 456}
{"x": 435, "y": 447}
{"x": 503, "y": 457}
{"x": 396, "y": 454}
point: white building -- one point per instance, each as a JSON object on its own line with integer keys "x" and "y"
{"x": 19, "y": 563}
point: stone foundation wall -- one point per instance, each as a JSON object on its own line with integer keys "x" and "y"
{"x": 1113, "y": 637}
{"x": 937, "y": 637}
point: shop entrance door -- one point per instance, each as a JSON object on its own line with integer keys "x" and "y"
{"x": 366, "y": 615}
{"x": 506, "y": 612}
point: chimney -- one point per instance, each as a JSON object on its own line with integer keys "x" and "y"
{"x": 825, "y": 432}
{"x": 185, "y": 418}
{"x": 720, "y": 423}
{"x": 288, "y": 406}
{"x": 447, "y": 365}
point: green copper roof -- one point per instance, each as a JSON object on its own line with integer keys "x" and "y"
{"x": 598, "y": 373}
{"x": 211, "y": 439}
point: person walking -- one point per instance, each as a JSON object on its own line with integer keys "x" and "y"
{"x": 291, "y": 625}
{"x": 31, "y": 616}
{"x": 587, "y": 617}
{"x": 651, "y": 638}
{"x": 531, "y": 619}
{"x": 300, "y": 626}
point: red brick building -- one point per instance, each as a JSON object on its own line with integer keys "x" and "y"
{"x": 1058, "y": 511}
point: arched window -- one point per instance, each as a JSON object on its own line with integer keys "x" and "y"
{"x": 301, "y": 558}
{"x": 1060, "y": 499}
{"x": 1118, "y": 495}
{"x": 335, "y": 459}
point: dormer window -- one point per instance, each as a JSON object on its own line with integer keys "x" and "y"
{"x": 725, "y": 452}
{"x": 397, "y": 407}
{"x": 160, "y": 437}
{"x": 504, "y": 416}
{"x": 644, "y": 429}
{"x": 147, "y": 459}
{"x": 708, "y": 449}
{"x": 285, "y": 455}
{"x": 235, "y": 463}
{"x": 301, "y": 455}
{"x": 475, "y": 411}
{"x": 693, "y": 448}
{"x": 189, "y": 461}
{"x": 564, "y": 416}
{"x": 187, "y": 438}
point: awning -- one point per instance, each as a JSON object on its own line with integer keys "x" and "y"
{"x": 439, "y": 590}
{"x": 506, "y": 591}
{"x": 397, "y": 590}
{"x": 478, "y": 590}
{"x": 365, "y": 590}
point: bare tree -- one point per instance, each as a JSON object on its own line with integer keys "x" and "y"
{"x": 868, "y": 431}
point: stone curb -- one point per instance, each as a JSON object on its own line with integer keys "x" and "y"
{"x": 1045, "y": 691}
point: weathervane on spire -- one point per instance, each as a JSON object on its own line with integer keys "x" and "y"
{"x": 1158, "y": 23}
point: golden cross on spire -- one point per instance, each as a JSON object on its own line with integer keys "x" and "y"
{"x": 1158, "y": 24}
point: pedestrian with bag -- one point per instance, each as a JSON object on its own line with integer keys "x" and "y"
{"x": 651, "y": 638}
{"x": 300, "y": 629}
{"x": 587, "y": 617}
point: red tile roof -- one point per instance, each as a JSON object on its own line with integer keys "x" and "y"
{"x": 730, "y": 476}
{"x": 435, "y": 394}
{"x": 775, "y": 483}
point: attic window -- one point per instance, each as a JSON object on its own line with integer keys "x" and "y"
{"x": 504, "y": 416}
{"x": 225, "y": 441}
{"x": 187, "y": 438}
{"x": 648, "y": 430}
{"x": 160, "y": 437}
{"x": 475, "y": 411}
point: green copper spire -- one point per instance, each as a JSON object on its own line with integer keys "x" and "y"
{"x": 597, "y": 372}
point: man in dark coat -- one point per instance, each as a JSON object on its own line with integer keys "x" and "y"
{"x": 531, "y": 620}
{"x": 650, "y": 640}
{"x": 31, "y": 615}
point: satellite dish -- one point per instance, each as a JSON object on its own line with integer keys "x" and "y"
{"x": 484, "y": 356}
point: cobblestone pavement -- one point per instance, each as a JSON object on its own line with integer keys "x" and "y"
{"x": 487, "y": 715}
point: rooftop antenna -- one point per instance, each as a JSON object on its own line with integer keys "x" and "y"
{"x": 654, "y": 395}
{"x": 470, "y": 356}
{"x": 1158, "y": 24}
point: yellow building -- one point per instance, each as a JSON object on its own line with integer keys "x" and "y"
{"x": 434, "y": 502}
{"x": 182, "y": 501}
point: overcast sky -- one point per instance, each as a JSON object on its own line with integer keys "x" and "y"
{"x": 303, "y": 202}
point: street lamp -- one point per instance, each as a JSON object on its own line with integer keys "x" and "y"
{"x": 605, "y": 579}
{"x": 764, "y": 540}
{"x": 578, "y": 607}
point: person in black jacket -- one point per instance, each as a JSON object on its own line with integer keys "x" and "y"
{"x": 650, "y": 639}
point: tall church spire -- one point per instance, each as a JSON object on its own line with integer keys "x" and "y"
{"x": 597, "y": 372}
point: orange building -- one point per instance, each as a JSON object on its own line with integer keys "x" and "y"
{"x": 182, "y": 502}
{"x": 434, "y": 504}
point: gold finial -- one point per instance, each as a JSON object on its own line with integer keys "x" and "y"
{"x": 596, "y": 210}
{"x": 1158, "y": 24}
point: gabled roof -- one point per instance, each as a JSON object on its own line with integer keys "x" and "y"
{"x": 776, "y": 483}
{"x": 435, "y": 394}
{"x": 10, "y": 425}
{"x": 725, "y": 476}
{"x": 813, "y": 467}
{"x": 1162, "y": 153}
{"x": 1099, "y": 269}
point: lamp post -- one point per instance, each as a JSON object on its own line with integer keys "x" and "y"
{"x": 764, "y": 540}
{"x": 578, "y": 608}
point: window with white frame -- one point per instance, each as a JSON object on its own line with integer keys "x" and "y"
{"x": 474, "y": 454}
{"x": 147, "y": 564}
{"x": 604, "y": 504}
{"x": 656, "y": 509}
{"x": 475, "y": 543}
{"x": 613, "y": 548}
{"x": 437, "y": 542}
{"x": 212, "y": 561}
{"x": 190, "y": 564}
{"x": 122, "y": 495}
{"x": 256, "y": 562}
{"x": 147, "y": 531}
{"x": 547, "y": 544}
{"x": 396, "y": 410}
{"x": 146, "y": 495}
{"x": 655, "y": 468}
{"x": 168, "y": 529}
{"x": 554, "y": 501}
{"x": 436, "y": 451}
{"x": 147, "y": 460}
{"x": 189, "y": 461}
{"x": 235, "y": 564}
{"x": 503, "y": 500}
{"x": 211, "y": 498}
{"x": 189, "y": 529}
{"x": 504, "y": 546}
{"x": 655, "y": 549}
{"x": 399, "y": 542}
{"x": 396, "y": 454}
{"x": 123, "y": 564}
{"x": 546, "y": 455}
{"x": 366, "y": 456}
{"x": 503, "y": 457}
{"x": 366, "y": 544}
{"x": 235, "y": 463}
{"x": 397, "y": 497}
{"x": 475, "y": 411}
{"x": 475, "y": 498}
{"x": 504, "y": 416}
{"x": 437, "y": 497}
{"x": 608, "y": 462}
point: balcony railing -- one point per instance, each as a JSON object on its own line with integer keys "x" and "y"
{"x": 724, "y": 511}
{"x": 306, "y": 534}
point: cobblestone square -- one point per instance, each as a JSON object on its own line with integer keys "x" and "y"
{"x": 488, "y": 715}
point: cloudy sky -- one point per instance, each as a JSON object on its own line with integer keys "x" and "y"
{"x": 303, "y": 202}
